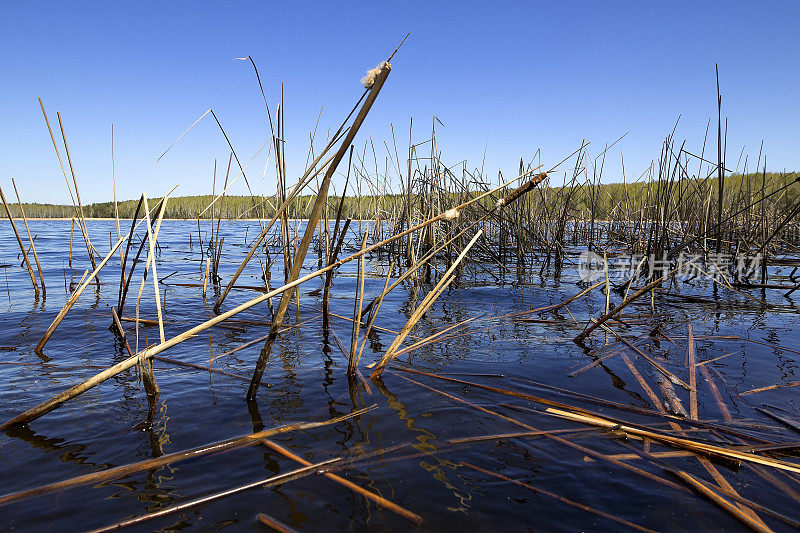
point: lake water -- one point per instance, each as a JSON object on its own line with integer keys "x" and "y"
{"x": 306, "y": 381}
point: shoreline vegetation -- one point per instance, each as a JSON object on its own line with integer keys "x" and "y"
{"x": 599, "y": 201}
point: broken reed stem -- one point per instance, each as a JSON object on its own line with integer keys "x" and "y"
{"x": 423, "y": 307}
{"x": 375, "y": 498}
{"x": 21, "y": 246}
{"x": 33, "y": 246}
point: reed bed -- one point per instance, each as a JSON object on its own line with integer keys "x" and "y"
{"x": 430, "y": 230}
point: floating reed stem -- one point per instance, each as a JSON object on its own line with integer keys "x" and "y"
{"x": 375, "y": 498}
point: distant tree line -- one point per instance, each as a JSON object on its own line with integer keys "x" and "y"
{"x": 604, "y": 201}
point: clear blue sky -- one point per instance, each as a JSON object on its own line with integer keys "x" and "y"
{"x": 505, "y": 78}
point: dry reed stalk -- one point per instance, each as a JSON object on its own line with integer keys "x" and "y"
{"x": 205, "y": 278}
{"x": 82, "y": 219}
{"x": 436, "y": 337}
{"x": 71, "y": 233}
{"x": 199, "y": 367}
{"x": 561, "y": 499}
{"x": 260, "y": 339}
{"x": 520, "y": 434}
{"x": 671, "y": 399}
{"x": 21, "y": 246}
{"x": 114, "y": 189}
{"x": 571, "y": 299}
{"x": 123, "y": 284}
{"x": 319, "y": 204}
{"x": 89, "y": 247}
{"x": 638, "y": 456}
{"x": 151, "y": 258}
{"x": 710, "y": 468}
{"x": 375, "y": 498}
{"x": 117, "y": 324}
{"x": 358, "y": 301}
{"x": 784, "y": 421}
{"x": 307, "y": 177}
{"x": 146, "y": 366}
{"x": 192, "y": 453}
{"x": 328, "y": 281}
{"x": 267, "y": 482}
{"x": 32, "y": 247}
{"x": 337, "y": 239}
{"x": 598, "y": 361}
{"x": 423, "y": 308}
{"x": 372, "y": 317}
